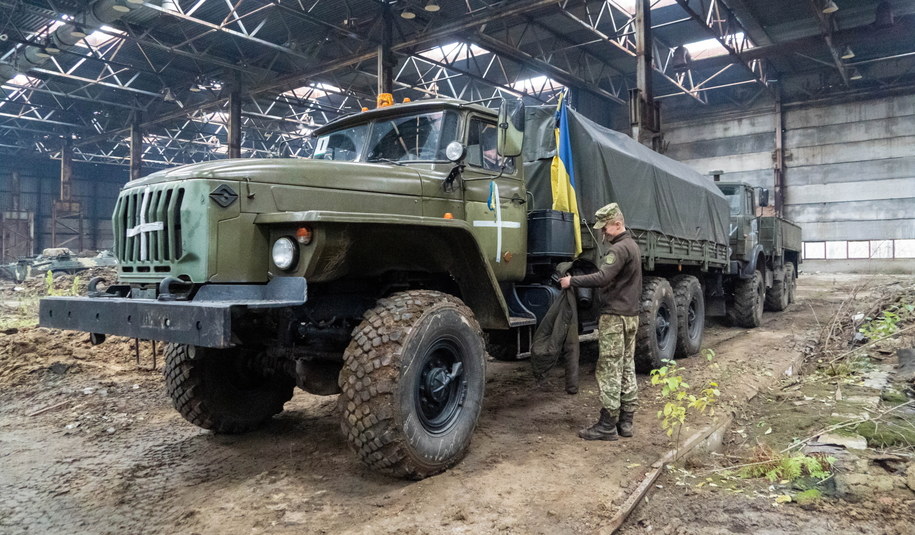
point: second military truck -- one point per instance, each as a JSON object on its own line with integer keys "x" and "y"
{"x": 383, "y": 269}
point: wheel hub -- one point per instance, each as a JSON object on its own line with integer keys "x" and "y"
{"x": 662, "y": 327}
{"x": 439, "y": 390}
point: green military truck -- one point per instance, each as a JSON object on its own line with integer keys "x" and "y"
{"x": 767, "y": 251}
{"x": 416, "y": 240}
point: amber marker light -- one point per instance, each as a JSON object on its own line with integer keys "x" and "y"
{"x": 448, "y": 215}
{"x": 303, "y": 235}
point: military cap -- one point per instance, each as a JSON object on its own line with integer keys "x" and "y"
{"x": 606, "y": 214}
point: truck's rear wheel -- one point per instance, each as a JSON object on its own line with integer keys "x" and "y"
{"x": 690, "y": 314}
{"x": 413, "y": 382}
{"x": 220, "y": 390}
{"x": 749, "y": 298}
{"x": 777, "y": 296}
{"x": 791, "y": 281}
{"x": 657, "y": 335}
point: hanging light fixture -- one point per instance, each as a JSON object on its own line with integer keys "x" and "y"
{"x": 830, "y": 7}
{"x": 78, "y": 31}
{"x": 681, "y": 59}
{"x": 407, "y": 13}
{"x": 848, "y": 53}
{"x": 432, "y": 6}
{"x": 854, "y": 74}
{"x": 883, "y": 15}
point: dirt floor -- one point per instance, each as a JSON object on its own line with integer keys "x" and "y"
{"x": 89, "y": 443}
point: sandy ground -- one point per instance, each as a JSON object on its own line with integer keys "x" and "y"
{"x": 89, "y": 443}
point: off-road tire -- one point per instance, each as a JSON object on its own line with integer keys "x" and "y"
{"x": 792, "y": 281}
{"x": 749, "y": 299}
{"x": 657, "y": 335}
{"x": 399, "y": 358}
{"x": 690, "y": 301}
{"x": 217, "y": 389}
{"x": 777, "y": 296}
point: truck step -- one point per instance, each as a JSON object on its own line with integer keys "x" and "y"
{"x": 516, "y": 321}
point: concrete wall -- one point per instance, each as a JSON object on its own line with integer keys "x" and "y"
{"x": 850, "y": 167}
{"x": 95, "y": 186}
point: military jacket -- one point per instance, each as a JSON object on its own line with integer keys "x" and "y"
{"x": 619, "y": 277}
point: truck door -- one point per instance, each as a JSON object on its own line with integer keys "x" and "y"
{"x": 495, "y": 203}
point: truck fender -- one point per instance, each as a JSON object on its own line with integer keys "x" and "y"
{"x": 751, "y": 266}
{"x": 371, "y": 244}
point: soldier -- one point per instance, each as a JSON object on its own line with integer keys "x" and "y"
{"x": 620, "y": 282}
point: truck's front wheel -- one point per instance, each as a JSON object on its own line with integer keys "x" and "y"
{"x": 657, "y": 334}
{"x": 413, "y": 382}
{"x": 222, "y": 389}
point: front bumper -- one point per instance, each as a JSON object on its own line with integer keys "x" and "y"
{"x": 205, "y": 321}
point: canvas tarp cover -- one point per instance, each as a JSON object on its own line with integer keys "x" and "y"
{"x": 655, "y": 192}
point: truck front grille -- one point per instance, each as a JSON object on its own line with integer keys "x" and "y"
{"x": 147, "y": 227}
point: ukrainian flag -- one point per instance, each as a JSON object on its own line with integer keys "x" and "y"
{"x": 562, "y": 172}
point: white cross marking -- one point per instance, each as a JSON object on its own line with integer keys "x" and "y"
{"x": 498, "y": 224}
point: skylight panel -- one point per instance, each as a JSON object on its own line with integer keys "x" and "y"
{"x": 710, "y": 48}
{"x": 312, "y": 91}
{"x": 453, "y": 52}
{"x": 537, "y": 84}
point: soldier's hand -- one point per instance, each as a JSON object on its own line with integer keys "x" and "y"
{"x": 565, "y": 282}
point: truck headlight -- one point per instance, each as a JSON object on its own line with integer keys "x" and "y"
{"x": 285, "y": 253}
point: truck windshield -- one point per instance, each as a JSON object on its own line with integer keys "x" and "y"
{"x": 420, "y": 137}
{"x": 412, "y": 138}
{"x": 735, "y": 198}
{"x": 343, "y": 145}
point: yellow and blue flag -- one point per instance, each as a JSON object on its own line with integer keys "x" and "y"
{"x": 562, "y": 171}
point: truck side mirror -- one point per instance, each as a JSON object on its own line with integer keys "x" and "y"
{"x": 511, "y": 128}
{"x": 763, "y": 197}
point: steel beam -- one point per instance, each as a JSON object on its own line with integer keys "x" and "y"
{"x": 721, "y": 23}
{"x": 386, "y": 60}
{"x": 234, "y": 126}
{"x": 827, "y": 23}
{"x": 136, "y": 147}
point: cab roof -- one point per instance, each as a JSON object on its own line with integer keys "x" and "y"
{"x": 405, "y": 108}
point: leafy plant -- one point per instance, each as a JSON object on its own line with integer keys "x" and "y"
{"x": 51, "y": 290}
{"x": 888, "y": 322}
{"x": 776, "y": 466}
{"x": 678, "y": 397}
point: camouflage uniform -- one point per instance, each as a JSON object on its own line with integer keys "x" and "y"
{"x": 619, "y": 280}
{"x": 615, "y": 371}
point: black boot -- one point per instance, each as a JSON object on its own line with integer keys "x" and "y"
{"x": 625, "y": 424}
{"x": 604, "y": 429}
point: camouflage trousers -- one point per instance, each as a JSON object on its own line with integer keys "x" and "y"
{"x": 615, "y": 371}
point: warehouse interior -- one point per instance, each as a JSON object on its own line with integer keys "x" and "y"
{"x": 267, "y": 336}
{"x": 813, "y": 102}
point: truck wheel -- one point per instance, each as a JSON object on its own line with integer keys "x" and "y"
{"x": 413, "y": 382}
{"x": 690, "y": 314}
{"x": 749, "y": 298}
{"x": 777, "y": 295}
{"x": 657, "y": 335}
{"x": 217, "y": 389}
{"x": 791, "y": 281}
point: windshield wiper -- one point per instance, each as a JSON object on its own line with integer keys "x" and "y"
{"x": 385, "y": 160}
